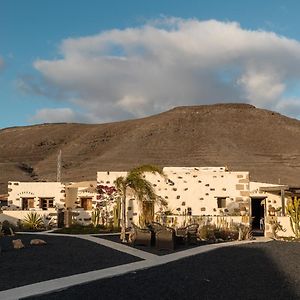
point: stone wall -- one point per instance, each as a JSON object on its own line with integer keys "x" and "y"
{"x": 193, "y": 191}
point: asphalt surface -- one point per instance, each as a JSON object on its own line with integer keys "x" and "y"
{"x": 62, "y": 256}
{"x": 254, "y": 271}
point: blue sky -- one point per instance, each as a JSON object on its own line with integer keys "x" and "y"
{"x": 89, "y": 61}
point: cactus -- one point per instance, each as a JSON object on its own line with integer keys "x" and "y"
{"x": 117, "y": 213}
{"x": 95, "y": 217}
{"x": 293, "y": 210}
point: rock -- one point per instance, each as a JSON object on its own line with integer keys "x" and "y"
{"x": 37, "y": 242}
{"x": 18, "y": 244}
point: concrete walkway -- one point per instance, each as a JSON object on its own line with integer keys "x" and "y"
{"x": 150, "y": 260}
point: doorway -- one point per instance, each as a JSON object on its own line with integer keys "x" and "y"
{"x": 86, "y": 203}
{"x": 258, "y": 215}
{"x": 27, "y": 203}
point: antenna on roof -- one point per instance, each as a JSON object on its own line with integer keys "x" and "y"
{"x": 58, "y": 174}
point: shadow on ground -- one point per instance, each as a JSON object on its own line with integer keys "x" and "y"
{"x": 254, "y": 271}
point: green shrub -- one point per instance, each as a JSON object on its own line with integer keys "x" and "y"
{"x": 7, "y": 228}
{"x": 226, "y": 235}
{"x": 212, "y": 233}
{"x": 206, "y": 232}
{"x": 86, "y": 229}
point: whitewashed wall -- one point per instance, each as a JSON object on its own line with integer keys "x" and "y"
{"x": 274, "y": 200}
{"x": 195, "y": 188}
{"x": 17, "y": 190}
{"x": 271, "y": 198}
{"x": 287, "y": 230}
{"x": 14, "y": 216}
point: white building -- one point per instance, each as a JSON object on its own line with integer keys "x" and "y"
{"x": 46, "y": 197}
{"x": 268, "y": 202}
{"x": 193, "y": 191}
{"x": 190, "y": 192}
{"x": 36, "y": 195}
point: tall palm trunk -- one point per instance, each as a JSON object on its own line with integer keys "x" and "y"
{"x": 147, "y": 212}
{"x": 123, "y": 223}
{"x": 142, "y": 189}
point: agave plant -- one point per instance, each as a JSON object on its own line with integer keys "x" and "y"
{"x": 33, "y": 221}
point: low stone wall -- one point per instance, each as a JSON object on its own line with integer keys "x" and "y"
{"x": 84, "y": 217}
{"x": 179, "y": 221}
{"x": 284, "y": 222}
{"x": 14, "y": 216}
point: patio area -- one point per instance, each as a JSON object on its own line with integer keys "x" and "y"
{"x": 153, "y": 249}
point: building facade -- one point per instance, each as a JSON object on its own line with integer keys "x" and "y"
{"x": 188, "y": 192}
{"x": 192, "y": 191}
{"x": 35, "y": 195}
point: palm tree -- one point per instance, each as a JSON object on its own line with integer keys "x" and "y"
{"x": 142, "y": 190}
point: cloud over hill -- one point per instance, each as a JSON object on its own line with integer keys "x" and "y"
{"x": 133, "y": 72}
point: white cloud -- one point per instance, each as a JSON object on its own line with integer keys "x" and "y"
{"x": 290, "y": 107}
{"x": 56, "y": 115}
{"x": 140, "y": 71}
{"x": 262, "y": 88}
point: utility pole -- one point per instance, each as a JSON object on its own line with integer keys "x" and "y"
{"x": 58, "y": 174}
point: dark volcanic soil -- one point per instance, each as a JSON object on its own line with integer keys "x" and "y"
{"x": 254, "y": 271}
{"x": 237, "y": 135}
{"x": 62, "y": 256}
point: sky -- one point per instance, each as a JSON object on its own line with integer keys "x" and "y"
{"x": 96, "y": 61}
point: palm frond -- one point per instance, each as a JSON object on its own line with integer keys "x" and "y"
{"x": 148, "y": 169}
{"x": 120, "y": 184}
{"x": 139, "y": 185}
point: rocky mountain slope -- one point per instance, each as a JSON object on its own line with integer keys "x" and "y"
{"x": 239, "y": 136}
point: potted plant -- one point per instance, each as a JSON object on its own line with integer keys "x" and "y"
{"x": 272, "y": 210}
{"x": 243, "y": 211}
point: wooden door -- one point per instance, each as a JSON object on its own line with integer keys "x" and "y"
{"x": 86, "y": 203}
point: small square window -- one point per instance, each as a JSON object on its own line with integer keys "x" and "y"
{"x": 221, "y": 202}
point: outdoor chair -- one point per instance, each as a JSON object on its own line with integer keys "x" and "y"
{"x": 154, "y": 227}
{"x": 142, "y": 236}
{"x": 165, "y": 239}
{"x": 188, "y": 234}
{"x": 192, "y": 234}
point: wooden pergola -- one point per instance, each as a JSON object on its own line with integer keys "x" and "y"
{"x": 283, "y": 191}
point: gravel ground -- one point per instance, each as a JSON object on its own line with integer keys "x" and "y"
{"x": 62, "y": 256}
{"x": 153, "y": 250}
{"x": 254, "y": 271}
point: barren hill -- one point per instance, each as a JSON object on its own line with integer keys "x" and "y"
{"x": 237, "y": 135}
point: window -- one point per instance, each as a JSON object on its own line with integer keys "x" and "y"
{"x": 46, "y": 203}
{"x": 221, "y": 202}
